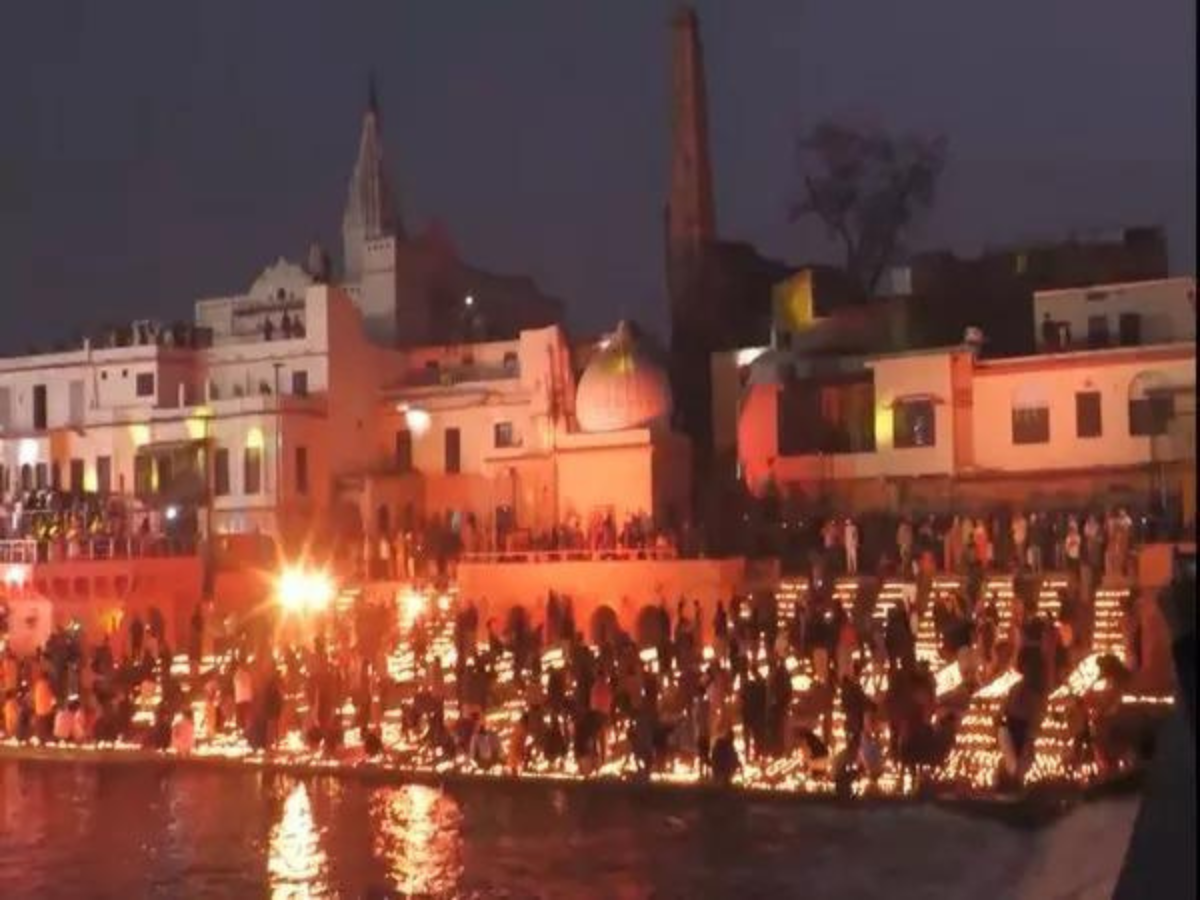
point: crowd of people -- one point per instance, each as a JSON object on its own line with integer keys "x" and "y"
{"x": 839, "y": 696}
{"x": 429, "y": 547}
{"x": 68, "y": 525}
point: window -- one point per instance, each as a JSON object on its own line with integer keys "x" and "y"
{"x": 41, "y": 476}
{"x": 252, "y": 471}
{"x": 76, "y": 466}
{"x": 39, "y": 407}
{"x": 165, "y": 473}
{"x": 503, "y": 433}
{"x": 1031, "y": 425}
{"x": 1097, "y": 333}
{"x": 143, "y": 475}
{"x": 56, "y": 475}
{"x": 1151, "y": 414}
{"x": 300, "y": 383}
{"x": 301, "y": 470}
{"x": 104, "y": 474}
{"x": 221, "y": 472}
{"x": 510, "y": 362}
{"x": 404, "y": 451}
{"x": 828, "y": 416}
{"x": 914, "y": 424}
{"x": 453, "y": 451}
{"x": 1088, "y": 422}
{"x": 26, "y": 477}
{"x": 145, "y": 384}
{"x": 1129, "y": 329}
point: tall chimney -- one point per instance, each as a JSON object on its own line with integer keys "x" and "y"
{"x": 690, "y": 217}
{"x": 690, "y": 232}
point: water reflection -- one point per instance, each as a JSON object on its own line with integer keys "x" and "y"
{"x": 297, "y": 864}
{"x": 418, "y": 836}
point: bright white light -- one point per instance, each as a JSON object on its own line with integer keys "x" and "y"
{"x": 302, "y": 590}
{"x": 748, "y": 355}
{"x": 417, "y": 420}
{"x": 172, "y": 513}
{"x": 14, "y": 575}
{"x": 27, "y": 452}
{"x": 412, "y": 606}
{"x": 469, "y": 300}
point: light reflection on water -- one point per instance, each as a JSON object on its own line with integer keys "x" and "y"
{"x": 418, "y": 832}
{"x": 297, "y": 864}
{"x": 84, "y": 831}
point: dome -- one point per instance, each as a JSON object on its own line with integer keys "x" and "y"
{"x": 622, "y": 387}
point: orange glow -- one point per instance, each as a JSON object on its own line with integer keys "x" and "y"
{"x": 304, "y": 591}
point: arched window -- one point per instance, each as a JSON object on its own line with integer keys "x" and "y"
{"x": 1151, "y": 404}
{"x": 1030, "y": 415}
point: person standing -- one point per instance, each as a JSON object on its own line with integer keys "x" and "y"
{"x": 904, "y": 544}
{"x": 850, "y": 541}
{"x": 1020, "y": 538}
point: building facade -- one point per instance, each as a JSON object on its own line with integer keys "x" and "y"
{"x": 506, "y": 441}
{"x": 1125, "y": 314}
{"x": 945, "y": 430}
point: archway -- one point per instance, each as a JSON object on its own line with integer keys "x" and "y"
{"x": 604, "y": 626}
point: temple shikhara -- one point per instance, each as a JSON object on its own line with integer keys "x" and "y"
{"x": 821, "y": 497}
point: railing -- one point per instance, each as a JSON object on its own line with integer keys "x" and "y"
{"x": 26, "y": 551}
{"x": 464, "y": 374}
{"x": 582, "y": 554}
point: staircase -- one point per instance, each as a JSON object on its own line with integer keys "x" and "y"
{"x": 1108, "y": 611}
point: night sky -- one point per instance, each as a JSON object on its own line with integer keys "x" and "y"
{"x": 155, "y": 152}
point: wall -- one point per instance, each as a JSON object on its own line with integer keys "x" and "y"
{"x": 1057, "y": 379}
{"x": 610, "y": 471}
{"x": 1167, "y": 308}
{"x": 104, "y": 595}
{"x": 623, "y": 586}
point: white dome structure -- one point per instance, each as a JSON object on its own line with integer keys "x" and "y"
{"x": 622, "y": 388}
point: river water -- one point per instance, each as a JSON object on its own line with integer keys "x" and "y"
{"x": 87, "y": 830}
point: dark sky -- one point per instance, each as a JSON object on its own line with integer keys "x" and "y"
{"x": 153, "y": 152}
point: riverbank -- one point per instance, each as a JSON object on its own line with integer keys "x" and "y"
{"x": 1034, "y": 808}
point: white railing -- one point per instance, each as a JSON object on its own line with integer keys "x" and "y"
{"x": 29, "y": 552}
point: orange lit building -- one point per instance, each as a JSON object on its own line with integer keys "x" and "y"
{"x": 943, "y": 429}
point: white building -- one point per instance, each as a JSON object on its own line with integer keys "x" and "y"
{"x": 1111, "y": 315}
{"x": 502, "y": 433}
{"x": 166, "y": 419}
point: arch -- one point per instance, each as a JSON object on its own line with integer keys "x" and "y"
{"x": 1151, "y": 403}
{"x": 648, "y": 628}
{"x": 604, "y": 626}
{"x": 1147, "y": 383}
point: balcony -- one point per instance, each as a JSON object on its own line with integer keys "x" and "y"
{"x": 432, "y": 376}
{"x": 29, "y": 551}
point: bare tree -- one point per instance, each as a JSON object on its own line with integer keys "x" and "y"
{"x": 867, "y": 187}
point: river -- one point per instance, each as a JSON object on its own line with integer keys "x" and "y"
{"x": 88, "y": 830}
